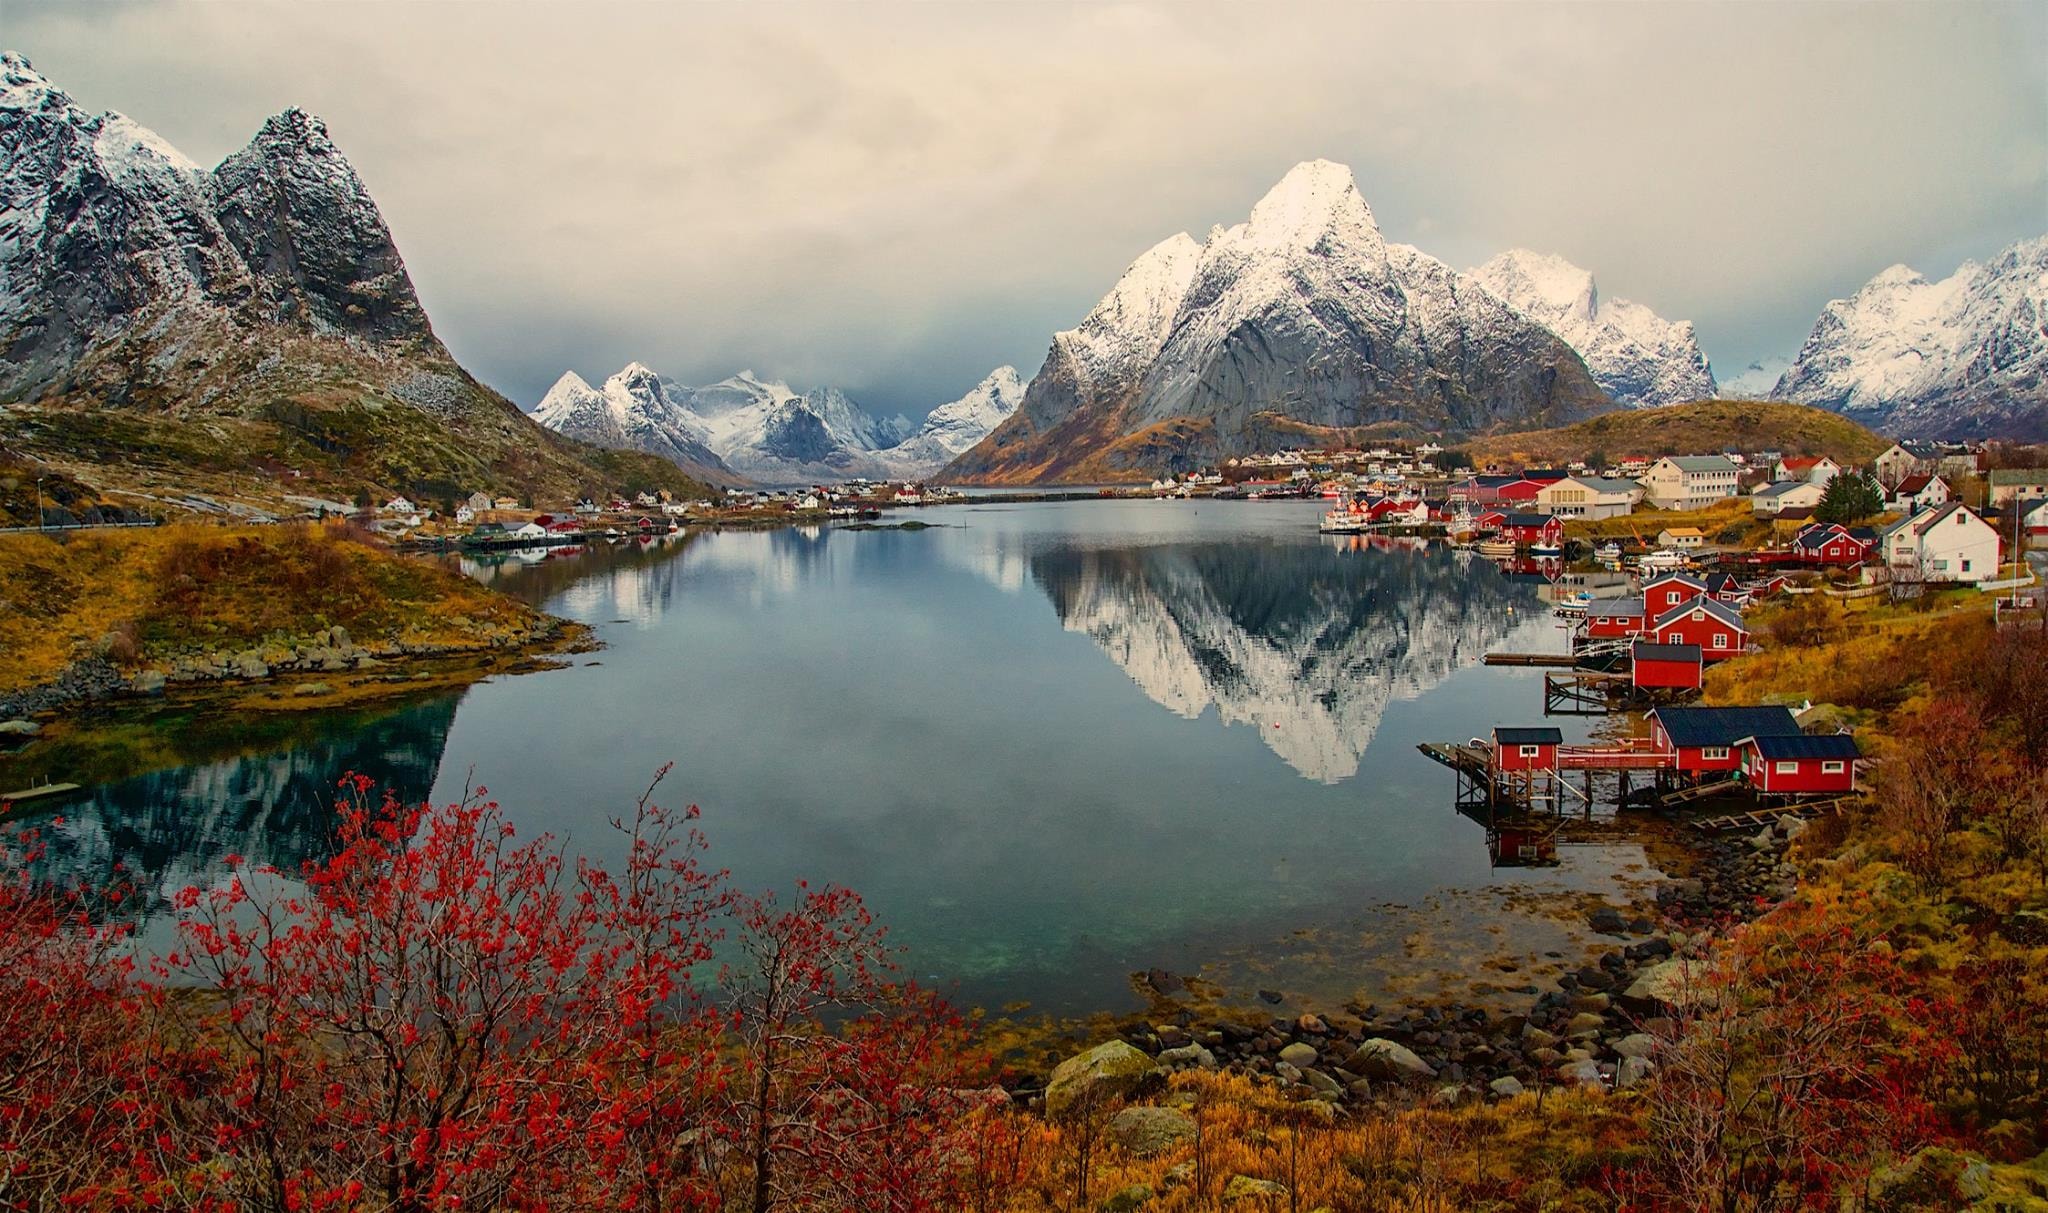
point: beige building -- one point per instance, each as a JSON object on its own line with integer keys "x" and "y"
{"x": 1690, "y": 482}
{"x": 1588, "y": 497}
{"x": 2018, "y": 484}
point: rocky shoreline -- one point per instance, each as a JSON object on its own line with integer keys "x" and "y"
{"x": 96, "y": 679}
{"x": 1602, "y": 1027}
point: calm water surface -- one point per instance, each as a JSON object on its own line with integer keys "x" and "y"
{"x": 1050, "y": 743}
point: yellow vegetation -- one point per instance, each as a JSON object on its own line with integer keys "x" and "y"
{"x": 1705, "y": 425}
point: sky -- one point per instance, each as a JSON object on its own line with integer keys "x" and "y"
{"x": 894, "y": 199}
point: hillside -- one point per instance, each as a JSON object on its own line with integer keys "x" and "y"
{"x": 1705, "y": 425}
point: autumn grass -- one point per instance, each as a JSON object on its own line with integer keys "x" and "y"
{"x": 1732, "y": 521}
{"x": 1688, "y": 429}
{"x": 142, "y": 597}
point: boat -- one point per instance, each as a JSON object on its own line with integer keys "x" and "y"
{"x": 1344, "y": 522}
{"x": 1661, "y": 560}
{"x": 1496, "y": 548}
{"x": 1608, "y": 554}
{"x": 1575, "y": 605}
{"x": 1546, "y": 549}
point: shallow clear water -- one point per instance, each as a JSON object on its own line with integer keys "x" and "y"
{"x": 1050, "y": 743}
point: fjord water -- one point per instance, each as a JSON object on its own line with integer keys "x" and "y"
{"x": 1051, "y": 744}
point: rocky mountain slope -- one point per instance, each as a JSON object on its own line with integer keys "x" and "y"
{"x": 1963, "y": 357}
{"x": 1301, "y": 321}
{"x": 1636, "y": 356}
{"x": 161, "y": 323}
{"x": 767, "y": 431}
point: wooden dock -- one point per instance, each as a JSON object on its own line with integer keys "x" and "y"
{"x": 42, "y": 791}
{"x": 1564, "y": 661}
{"x": 1699, "y": 791}
{"x": 1466, "y": 759}
{"x": 1756, "y": 819}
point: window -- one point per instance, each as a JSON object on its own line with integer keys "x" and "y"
{"x": 1720, "y": 640}
{"x": 1966, "y": 566}
{"x": 1787, "y": 768}
{"x": 1698, "y": 614}
{"x": 1714, "y": 753}
{"x": 1531, "y": 751}
{"x": 1833, "y": 767}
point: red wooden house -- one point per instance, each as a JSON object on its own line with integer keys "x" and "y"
{"x": 1535, "y": 749}
{"x": 1830, "y": 543}
{"x": 1654, "y": 666}
{"x": 1529, "y": 530}
{"x": 1799, "y": 764}
{"x": 1723, "y": 587}
{"x": 1715, "y": 627}
{"x": 1662, "y": 593}
{"x": 1703, "y": 740}
{"x": 1490, "y": 520}
{"x": 1615, "y": 618}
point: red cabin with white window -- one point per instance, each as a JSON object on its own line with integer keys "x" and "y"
{"x": 1676, "y": 667}
{"x": 1516, "y": 749}
{"x": 1830, "y": 543}
{"x": 1615, "y": 618}
{"x": 1529, "y": 530}
{"x": 1800, "y": 764}
{"x": 1663, "y": 593}
{"x": 1702, "y": 741}
{"x": 1714, "y": 626}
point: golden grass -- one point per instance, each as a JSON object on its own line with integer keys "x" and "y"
{"x": 1729, "y": 521}
{"x": 1702, "y": 426}
{"x": 140, "y": 597}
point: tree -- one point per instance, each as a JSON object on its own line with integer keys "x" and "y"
{"x": 1850, "y": 496}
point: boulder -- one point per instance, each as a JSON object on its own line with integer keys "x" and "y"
{"x": 1663, "y": 984}
{"x": 1188, "y": 1056}
{"x": 19, "y": 728}
{"x": 1125, "y": 1200}
{"x": 1145, "y": 1131}
{"x": 1382, "y": 1060}
{"x": 1506, "y": 1087}
{"x": 1244, "y": 1187}
{"x": 1323, "y": 1083}
{"x": 1638, "y": 1044}
{"x": 1107, "y": 1071}
{"x": 1631, "y": 1072}
{"x": 1301, "y": 1056}
{"x": 149, "y": 682}
{"x": 1581, "y": 1073}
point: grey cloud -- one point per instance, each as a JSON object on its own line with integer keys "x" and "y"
{"x": 894, "y": 199}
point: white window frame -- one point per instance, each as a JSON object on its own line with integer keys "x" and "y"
{"x": 1714, "y": 753}
{"x": 1720, "y": 640}
{"x": 1833, "y": 766}
{"x": 1531, "y": 751}
{"x": 1785, "y": 766}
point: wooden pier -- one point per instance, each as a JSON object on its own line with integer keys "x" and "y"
{"x": 1557, "y": 660}
{"x": 42, "y": 791}
{"x": 1756, "y": 819}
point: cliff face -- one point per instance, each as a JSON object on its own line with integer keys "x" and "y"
{"x": 1303, "y": 314}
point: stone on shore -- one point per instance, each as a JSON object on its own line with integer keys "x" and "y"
{"x": 1301, "y": 1056}
{"x": 1382, "y": 1060}
{"x": 1115, "y": 1070}
{"x": 1145, "y": 1131}
{"x": 1244, "y": 1187}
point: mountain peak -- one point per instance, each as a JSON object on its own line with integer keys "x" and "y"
{"x": 23, "y": 87}
{"x": 570, "y": 382}
{"x": 1314, "y": 197}
{"x": 1545, "y": 276}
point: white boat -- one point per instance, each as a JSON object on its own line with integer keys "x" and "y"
{"x": 1496, "y": 548}
{"x": 1608, "y": 554}
{"x": 1575, "y": 605}
{"x": 1344, "y": 522}
{"x": 1662, "y": 560}
{"x": 1545, "y": 549}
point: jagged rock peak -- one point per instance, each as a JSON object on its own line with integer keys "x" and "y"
{"x": 1315, "y": 198}
{"x": 23, "y": 87}
{"x": 1636, "y": 356}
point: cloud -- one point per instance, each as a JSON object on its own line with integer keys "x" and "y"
{"x": 895, "y": 199}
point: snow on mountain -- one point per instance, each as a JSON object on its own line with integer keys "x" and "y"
{"x": 1963, "y": 357}
{"x": 1757, "y": 381}
{"x": 765, "y": 430}
{"x": 1301, "y": 315}
{"x": 1638, "y": 357}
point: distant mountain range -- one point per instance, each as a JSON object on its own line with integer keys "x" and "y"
{"x": 1963, "y": 357}
{"x": 1300, "y": 324}
{"x": 251, "y": 321}
{"x": 765, "y": 431}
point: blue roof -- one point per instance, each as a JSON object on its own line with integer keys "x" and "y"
{"x": 1529, "y": 736}
{"x": 1724, "y": 726}
{"x": 1816, "y": 745}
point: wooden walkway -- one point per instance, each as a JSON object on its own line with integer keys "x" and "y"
{"x": 1563, "y": 661}
{"x": 1756, "y": 819}
{"x": 43, "y": 791}
{"x": 1472, "y": 760}
{"x": 1699, "y": 791}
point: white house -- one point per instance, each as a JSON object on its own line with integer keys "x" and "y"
{"x": 1903, "y": 459}
{"x": 1588, "y": 496}
{"x": 1681, "y": 537}
{"x": 401, "y": 507}
{"x": 532, "y": 530}
{"x": 1917, "y": 492}
{"x": 479, "y": 502}
{"x": 1947, "y": 543}
{"x": 1812, "y": 469}
{"x": 2018, "y": 484}
{"x": 1690, "y": 482}
{"x": 465, "y": 515}
{"x": 2034, "y": 522}
{"x": 1770, "y": 500}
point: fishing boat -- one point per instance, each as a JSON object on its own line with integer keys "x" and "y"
{"x": 1496, "y": 549}
{"x": 1661, "y": 560}
{"x": 1344, "y": 522}
{"x": 1573, "y": 606}
{"x": 1609, "y": 555}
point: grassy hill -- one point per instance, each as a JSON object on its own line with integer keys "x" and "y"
{"x": 1700, "y": 427}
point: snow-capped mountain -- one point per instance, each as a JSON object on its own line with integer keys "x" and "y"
{"x": 1301, "y": 319}
{"x": 1636, "y": 356}
{"x": 1757, "y": 381}
{"x": 1306, "y": 645}
{"x": 266, "y": 293}
{"x": 1963, "y": 357}
{"x": 767, "y": 431}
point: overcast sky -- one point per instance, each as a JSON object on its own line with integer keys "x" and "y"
{"x": 896, "y": 199}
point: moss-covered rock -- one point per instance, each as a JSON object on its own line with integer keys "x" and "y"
{"x": 1115, "y": 1070}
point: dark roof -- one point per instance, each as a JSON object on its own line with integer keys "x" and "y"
{"x": 1644, "y": 650}
{"x": 1615, "y": 606}
{"x": 1718, "y": 609}
{"x": 1724, "y": 726}
{"x": 1534, "y": 736}
{"x": 1717, "y": 582}
{"x": 1526, "y": 520}
{"x": 1544, "y": 473}
{"x": 1682, "y": 578}
{"x": 1804, "y": 745}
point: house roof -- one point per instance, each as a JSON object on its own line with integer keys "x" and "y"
{"x": 1805, "y": 745}
{"x": 1700, "y": 463}
{"x": 1802, "y": 463}
{"x": 1724, "y": 726}
{"x": 1683, "y": 530}
{"x": 1615, "y": 606}
{"x": 1644, "y": 650}
{"x": 1527, "y": 520}
{"x": 1795, "y": 513}
{"x": 1606, "y": 484}
{"x": 2028, "y": 509}
{"x": 1717, "y": 582}
{"x": 1545, "y": 475}
{"x": 1920, "y": 450}
{"x": 1719, "y": 610}
{"x": 1681, "y": 578}
{"x": 1925, "y": 519}
{"x": 1528, "y": 736}
{"x": 1783, "y": 487}
{"x": 2004, "y": 476}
